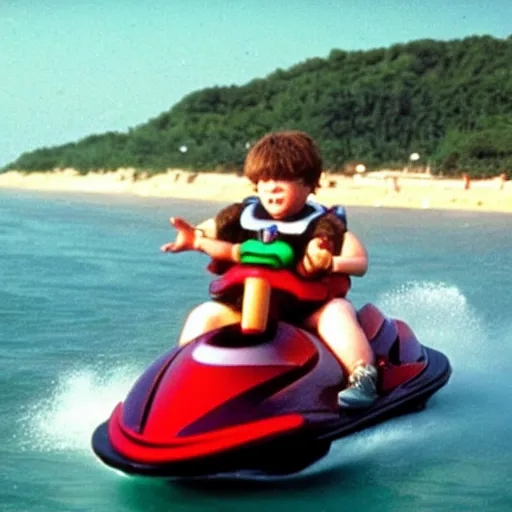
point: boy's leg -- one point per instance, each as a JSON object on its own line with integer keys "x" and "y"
{"x": 336, "y": 323}
{"x": 206, "y": 317}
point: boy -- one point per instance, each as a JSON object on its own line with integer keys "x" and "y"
{"x": 285, "y": 168}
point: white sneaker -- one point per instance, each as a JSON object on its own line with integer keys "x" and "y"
{"x": 362, "y": 391}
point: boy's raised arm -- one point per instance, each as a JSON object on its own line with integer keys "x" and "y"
{"x": 191, "y": 238}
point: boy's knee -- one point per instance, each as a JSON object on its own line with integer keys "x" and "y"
{"x": 340, "y": 306}
{"x": 208, "y": 316}
{"x": 204, "y": 311}
{"x": 201, "y": 319}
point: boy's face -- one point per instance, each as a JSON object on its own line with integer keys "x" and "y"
{"x": 283, "y": 198}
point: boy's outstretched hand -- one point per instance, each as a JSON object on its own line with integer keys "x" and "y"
{"x": 185, "y": 237}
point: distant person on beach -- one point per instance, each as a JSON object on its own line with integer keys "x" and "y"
{"x": 285, "y": 168}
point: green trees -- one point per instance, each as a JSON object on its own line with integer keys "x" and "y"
{"x": 449, "y": 101}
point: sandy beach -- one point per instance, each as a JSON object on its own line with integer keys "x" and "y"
{"x": 384, "y": 189}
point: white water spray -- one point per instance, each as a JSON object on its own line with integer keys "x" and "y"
{"x": 441, "y": 318}
{"x": 79, "y": 401}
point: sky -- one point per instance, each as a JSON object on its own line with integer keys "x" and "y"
{"x": 72, "y": 68}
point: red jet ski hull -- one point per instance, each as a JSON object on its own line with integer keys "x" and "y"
{"x": 219, "y": 405}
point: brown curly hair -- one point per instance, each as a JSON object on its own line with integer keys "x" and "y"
{"x": 287, "y": 155}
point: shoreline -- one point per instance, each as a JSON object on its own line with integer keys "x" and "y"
{"x": 384, "y": 189}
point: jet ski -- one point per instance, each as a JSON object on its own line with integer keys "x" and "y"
{"x": 260, "y": 397}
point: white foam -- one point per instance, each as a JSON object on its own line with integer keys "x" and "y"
{"x": 79, "y": 401}
{"x": 441, "y": 318}
{"x": 388, "y": 440}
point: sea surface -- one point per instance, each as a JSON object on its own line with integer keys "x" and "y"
{"x": 87, "y": 301}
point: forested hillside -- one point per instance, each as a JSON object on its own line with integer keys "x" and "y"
{"x": 451, "y": 102}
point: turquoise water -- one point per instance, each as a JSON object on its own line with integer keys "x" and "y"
{"x": 87, "y": 300}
